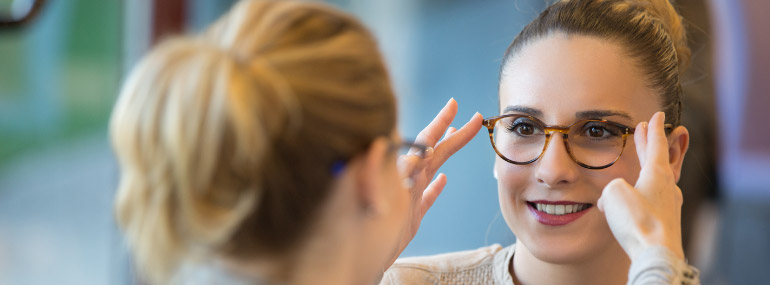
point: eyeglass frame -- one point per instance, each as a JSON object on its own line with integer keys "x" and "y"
{"x": 564, "y": 130}
{"x": 414, "y": 147}
{"x": 393, "y": 146}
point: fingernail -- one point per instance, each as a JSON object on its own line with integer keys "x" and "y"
{"x": 644, "y": 125}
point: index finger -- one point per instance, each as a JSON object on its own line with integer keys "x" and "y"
{"x": 657, "y": 143}
{"x": 433, "y": 132}
{"x": 457, "y": 140}
{"x": 654, "y": 170}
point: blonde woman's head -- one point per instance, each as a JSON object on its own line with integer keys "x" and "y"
{"x": 227, "y": 140}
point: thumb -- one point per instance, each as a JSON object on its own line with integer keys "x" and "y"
{"x": 612, "y": 193}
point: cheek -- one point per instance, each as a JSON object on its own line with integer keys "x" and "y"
{"x": 627, "y": 166}
{"x": 512, "y": 182}
{"x": 511, "y": 179}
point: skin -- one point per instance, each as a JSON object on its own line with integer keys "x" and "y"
{"x": 371, "y": 210}
{"x": 421, "y": 170}
{"x": 366, "y": 212}
{"x": 561, "y": 76}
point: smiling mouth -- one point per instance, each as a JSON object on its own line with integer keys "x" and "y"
{"x": 560, "y": 208}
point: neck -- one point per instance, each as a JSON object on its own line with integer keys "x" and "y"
{"x": 607, "y": 267}
{"x": 316, "y": 263}
{"x": 326, "y": 260}
{"x": 329, "y": 255}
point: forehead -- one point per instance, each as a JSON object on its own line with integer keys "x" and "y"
{"x": 563, "y": 75}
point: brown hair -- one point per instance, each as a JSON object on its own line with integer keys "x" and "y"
{"x": 650, "y": 31}
{"x": 227, "y": 141}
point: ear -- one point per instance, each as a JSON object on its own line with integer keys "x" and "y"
{"x": 369, "y": 178}
{"x": 678, "y": 142}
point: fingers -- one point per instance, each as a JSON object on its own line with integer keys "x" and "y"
{"x": 620, "y": 204}
{"x": 612, "y": 193}
{"x": 407, "y": 165}
{"x": 431, "y": 193}
{"x": 457, "y": 140}
{"x": 655, "y": 168}
{"x": 657, "y": 144}
{"x": 640, "y": 140}
{"x": 450, "y": 131}
{"x": 432, "y": 133}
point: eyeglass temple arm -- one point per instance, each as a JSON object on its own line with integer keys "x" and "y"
{"x": 667, "y": 127}
{"x": 490, "y": 123}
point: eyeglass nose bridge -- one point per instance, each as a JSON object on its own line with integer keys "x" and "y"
{"x": 564, "y": 130}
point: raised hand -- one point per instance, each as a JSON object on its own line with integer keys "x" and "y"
{"x": 647, "y": 214}
{"x": 420, "y": 170}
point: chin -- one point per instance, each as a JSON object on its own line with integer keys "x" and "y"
{"x": 576, "y": 242}
{"x": 557, "y": 250}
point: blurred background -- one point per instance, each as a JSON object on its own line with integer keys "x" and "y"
{"x": 62, "y": 63}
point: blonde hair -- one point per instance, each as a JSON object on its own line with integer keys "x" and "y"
{"x": 227, "y": 140}
{"x": 650, "y": 30}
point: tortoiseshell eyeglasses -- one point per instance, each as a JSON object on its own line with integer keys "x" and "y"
{"x": 593, "y": 144}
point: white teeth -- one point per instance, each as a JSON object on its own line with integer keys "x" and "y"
{"x": 560, "y": 209}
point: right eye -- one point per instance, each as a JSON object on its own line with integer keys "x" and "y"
{"x": 523, "y": 127}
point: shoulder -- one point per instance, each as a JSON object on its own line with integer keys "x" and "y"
{"x": 479, "y": 266}
{"x": 453, "y": 260}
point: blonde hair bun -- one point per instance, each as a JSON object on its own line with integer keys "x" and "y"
{"x": 226, "y": 140}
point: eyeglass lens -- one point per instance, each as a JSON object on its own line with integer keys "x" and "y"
{"x": 591, "y": 142}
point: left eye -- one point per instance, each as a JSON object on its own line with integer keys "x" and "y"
{"x": 596, "y": 132}
{"x": 600, "y": 130}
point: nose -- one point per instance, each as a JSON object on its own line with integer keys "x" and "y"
{"x": 556, "y": 168}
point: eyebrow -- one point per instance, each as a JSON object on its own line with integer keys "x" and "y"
{"x": 526, "y": 110}
{"x": 589, "y": 114}
{"x": 598, "y": 114}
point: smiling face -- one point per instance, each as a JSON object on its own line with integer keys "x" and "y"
{"x": 560, "y": 80}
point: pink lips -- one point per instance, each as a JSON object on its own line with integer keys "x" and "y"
{"x": 555, "y": 220}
